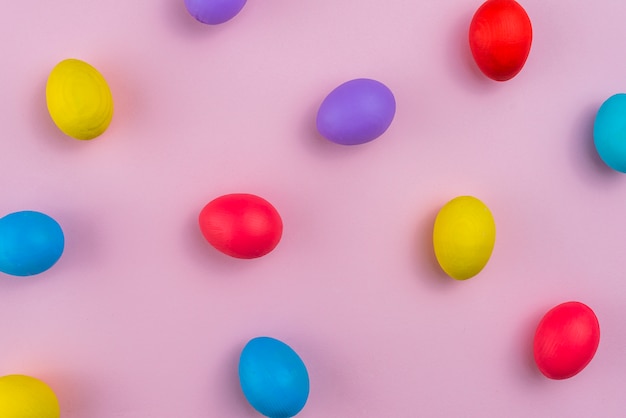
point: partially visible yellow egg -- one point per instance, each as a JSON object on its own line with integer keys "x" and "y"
{"x": 79, "y": 99}
{"x": 463, "y": 237}
{"x": 26, "y": 397}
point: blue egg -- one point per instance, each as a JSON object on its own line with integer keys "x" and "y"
{"x": 273, "y": 378}
{"x": 609, "y": 132}
{"x": 30, "y": 243}
{"x": 356, "y": 112}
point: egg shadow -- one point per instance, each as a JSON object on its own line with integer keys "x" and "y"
{"x": 522, "y": 348}
{"x": 202, "y": 253}
{"x": 230, "y": 392}
{"x": 10, "y": 284}
{"x": 176, "y": 15}
{"x": 81, "y": 244}
{"x": 427, "y": 266}
{"x": 586, "y": 160}
{"x": 318, "y": 145}
{"x": 130, "y": 104}
{"x": 459, "y": 57}
{"x": 326, "y": 369}
{"x": 183, "y": 23}
{"x": 75, "y": 394}
{"x": 42, "y": 126}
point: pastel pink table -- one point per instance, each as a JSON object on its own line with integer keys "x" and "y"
{"x": 142, "y": 318}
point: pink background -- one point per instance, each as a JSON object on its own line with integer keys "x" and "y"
{"x": 142, "y": 318}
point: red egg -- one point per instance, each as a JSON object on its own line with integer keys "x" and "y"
{"x": 241, "y": 225}
{"x": 500, "y": 36}
{"x": 566, "y": 340}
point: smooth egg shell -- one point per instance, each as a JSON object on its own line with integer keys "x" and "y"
{"x": 609, "y": 132}
{"x": 500, "y": 36}
{"x": 30, "y": 243}
{"x": 26, "y": 397}
{"x": 566, "y": 340}
{"x": 273, "y": 377}
{"x": 214, "y": 12}
{"x": 463, "y": 237}
{"x": 241, "y": 225}
{"x": 79, "y": 99}
{"x": 356, "y": 112}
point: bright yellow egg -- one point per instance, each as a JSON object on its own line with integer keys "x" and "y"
{"x": 463, "y": 237}
{"x": 26, "y": 397}
{"x": 79, "y": 99}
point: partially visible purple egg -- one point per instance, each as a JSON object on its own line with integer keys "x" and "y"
{"x": 356, "y": 112}
{"x": 214, "y": 12}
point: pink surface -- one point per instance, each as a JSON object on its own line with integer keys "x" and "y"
{"x": 142, "y": 318}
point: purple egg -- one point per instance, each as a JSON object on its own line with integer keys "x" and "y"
{"x": 214, "y": 12}
{"x": 356, "y": 112}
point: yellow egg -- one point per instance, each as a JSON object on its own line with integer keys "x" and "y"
{"x": 26, "y": 397}
{"x": 79, "y": 99}
{"x": 463, "y": 237}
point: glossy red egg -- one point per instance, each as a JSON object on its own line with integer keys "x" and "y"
{"x": 241, "y": 225}
{"x": 566, "y": 340}
{"x": 500, "y": 36}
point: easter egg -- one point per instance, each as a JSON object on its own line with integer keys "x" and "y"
{"x": 30, "y": 243}
{"x": 79, "y": 99}
{"x": 241, "y": 225}
{"x": 609, "y": 132}
{"x": 566, "y": 340}
{"x": 27, "y": 397}
{"x": 273, "y": 378}
{"x": 356, "y": 112}
{"x": 500, "y": 36}
{"x": 214, "y": 12}
{"x": 463, "y": 237}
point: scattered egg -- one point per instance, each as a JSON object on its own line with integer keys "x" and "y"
{"x": 463, "y": 237}
{"x": 79, "y": 99}
{"x": 26, "y": 397}
{"x": 214, "y": 12}
{"x": 273, "y": 378}
{"x": 241, "y": 225}
{"x": 500, "y": 37}
{"x": 609, "y": 132}
{"x": 30, "y": 243}
{"x": 566, "y": 340}
{"x": 356, "y": 112}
